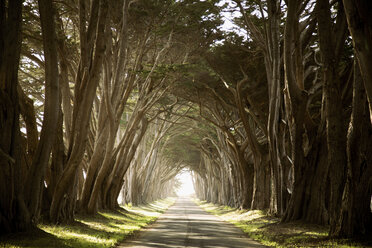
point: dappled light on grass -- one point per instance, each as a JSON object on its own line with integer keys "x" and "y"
{"x": 105, "y": 229}
{"x": 267, "y": 230}
{"x": 72, "y": 235}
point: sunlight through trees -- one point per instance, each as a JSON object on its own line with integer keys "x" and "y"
{"x": 270, "y": 110}
{"x": 186, "y": 187}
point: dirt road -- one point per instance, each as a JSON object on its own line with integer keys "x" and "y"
{"x": 187, "y": 225}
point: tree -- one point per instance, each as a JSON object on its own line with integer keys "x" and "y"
{"x": 88, "y": 75}
{"x": 359, "y": 20}
{"x": 106, "y": 98}
{"x": 336, "y": 127}
{"x": 355, "y": 213}
{"x": 13, "y": 212}
{"x": 35, "y": 178}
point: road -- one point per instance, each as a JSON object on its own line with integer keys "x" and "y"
{"x": 187, "y": 225}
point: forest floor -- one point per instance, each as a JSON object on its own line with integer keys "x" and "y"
{"x": 270, "y": 232}
{"x": 106, "y": 229}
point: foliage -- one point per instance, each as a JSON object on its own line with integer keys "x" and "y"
{"x": 271, "y": 114}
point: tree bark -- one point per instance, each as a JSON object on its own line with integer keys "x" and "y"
{"x": 273, "y": 66}
{"x": 356, "y": 217}
{"x": 115, "y": 180}
{"x": 85, "y": 91}
{"x": 40, "y": 161}
{"x": 359, "y": 19}
{"x": 336, "y": 126}
{"x": 27, "y": 111}
{"x": 14, "y": 215}
{"x": 295, "y": 104}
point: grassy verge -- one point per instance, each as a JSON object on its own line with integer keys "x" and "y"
{"x": 106, "y": 229}
{"x": 270, "y": 232}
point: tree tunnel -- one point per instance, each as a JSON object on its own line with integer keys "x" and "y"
{"x": 105, "y": 100}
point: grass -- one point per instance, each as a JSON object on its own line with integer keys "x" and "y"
{"x": 106, "y": 229}
{"x": 270, "y": 232}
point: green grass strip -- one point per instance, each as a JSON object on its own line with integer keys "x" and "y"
{"x": 270, "y": 232}
{"x": 106, "y": 229}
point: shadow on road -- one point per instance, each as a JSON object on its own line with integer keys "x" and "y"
{"x": 187, "y": 225}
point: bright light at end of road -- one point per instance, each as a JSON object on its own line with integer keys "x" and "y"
{"x": 187, "y": 187}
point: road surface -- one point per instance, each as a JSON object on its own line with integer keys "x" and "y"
{"x": 187, "y": 225}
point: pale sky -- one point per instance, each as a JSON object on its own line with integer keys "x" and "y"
{"x": 187, "y": 187}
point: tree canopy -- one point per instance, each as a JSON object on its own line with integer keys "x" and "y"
{"x": 267, "y": 102}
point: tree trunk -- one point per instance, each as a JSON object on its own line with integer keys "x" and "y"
{"x": 115, "y": 180}
{"x": 356, "y": 216}
{"x": 54, "y": 171}
{"x": 102, "y": 173}
{"x": 28, "y": 113}
{"x": 295, "y": 104}
{"x": 273, "y": 65}
{"x": 85, "y": 91}
{"x": 261, "y": 186}
{"x": 14, "y": 215}
{"x": 95, "y": 164}
{"x": 336, "y": 126}
{"x": 359, "y": 19}
{"x": 40, "y": 161}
